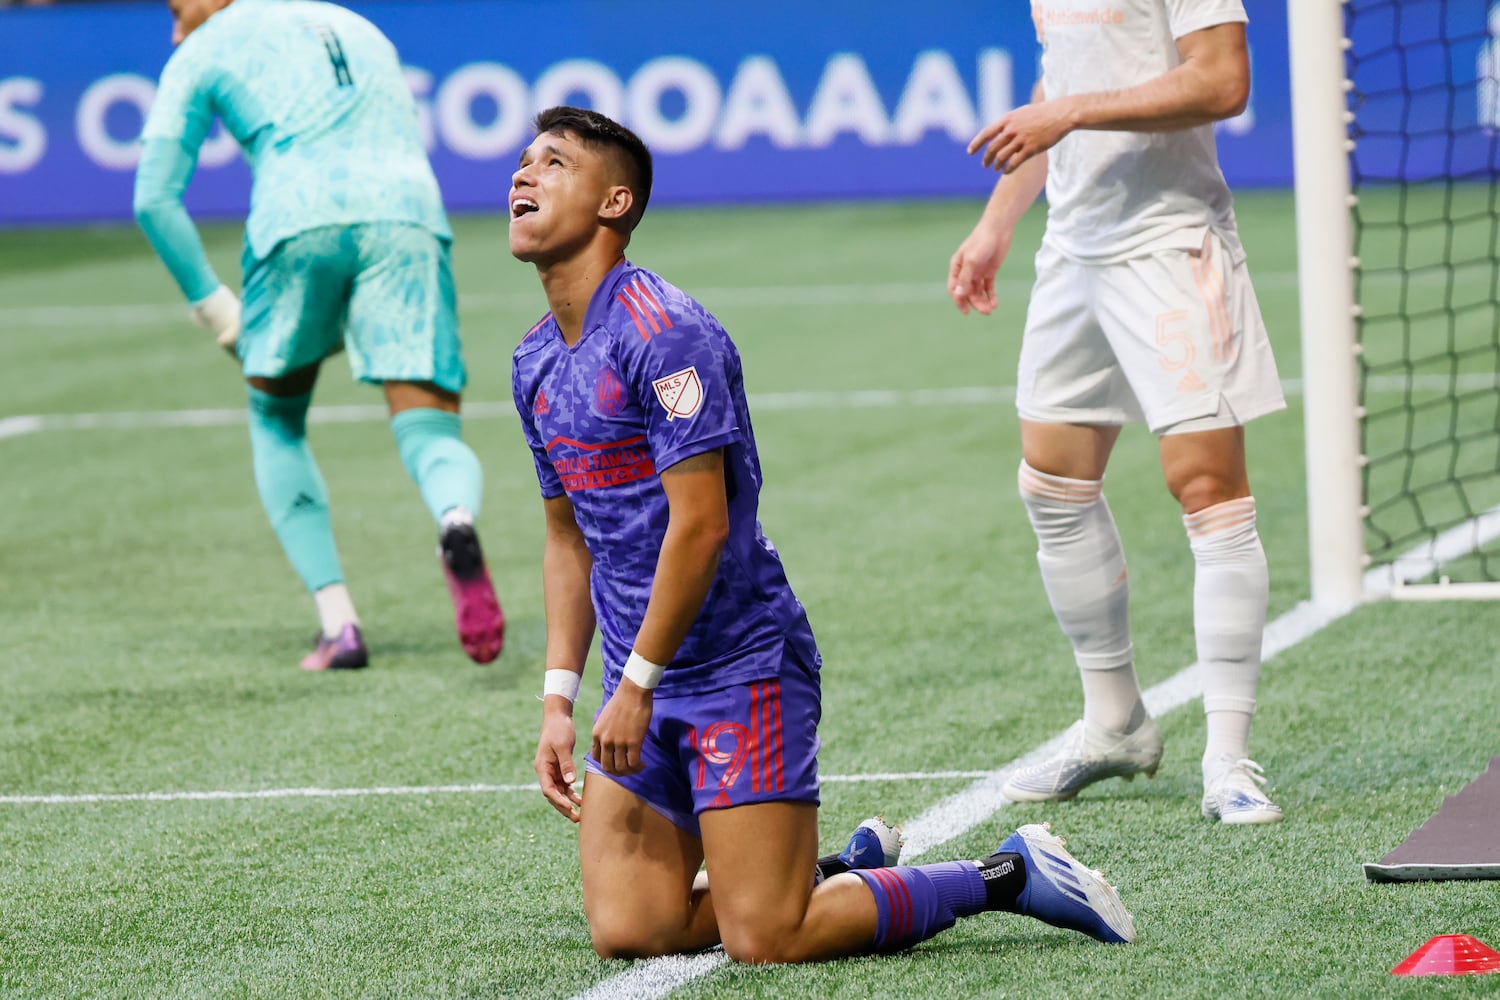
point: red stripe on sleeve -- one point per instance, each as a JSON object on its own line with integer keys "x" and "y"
{"x": 647, "y": 296}
{"x": 635, "y": 316}
{"x": 635, "y": 297}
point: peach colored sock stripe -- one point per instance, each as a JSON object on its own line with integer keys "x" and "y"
{"x": 1048, "y": 487}
{"x": 1220, "y": 517}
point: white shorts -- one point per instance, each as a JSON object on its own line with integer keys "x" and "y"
{"x": 1173, "y": 338}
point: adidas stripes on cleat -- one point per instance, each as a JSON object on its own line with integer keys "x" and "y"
{"x": 1060, "y": 891}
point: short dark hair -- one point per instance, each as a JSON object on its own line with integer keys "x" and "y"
{"x": 600, "y": 131}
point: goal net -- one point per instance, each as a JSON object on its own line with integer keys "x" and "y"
{"x": 1419, "y": 146}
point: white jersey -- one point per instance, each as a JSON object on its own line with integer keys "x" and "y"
{"x": 1114, "y": 195}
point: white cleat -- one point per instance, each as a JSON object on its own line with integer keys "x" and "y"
{"x": 1089, "y": 754}
{"x": 1232, "y": 793}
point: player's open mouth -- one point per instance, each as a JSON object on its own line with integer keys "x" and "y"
{"x": 523, "y": 206}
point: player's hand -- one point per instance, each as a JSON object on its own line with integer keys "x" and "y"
{"x": 620, "y": 729}
{"x": 972, "y": 269}
{"x": 218, "y": 312}
{"x": 554, "y": 763}
{"x": 1018, "y": 135}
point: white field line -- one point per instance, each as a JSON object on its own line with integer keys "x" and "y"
{"x": 878, "y": 399}
{"x": 956, "y": 815}
{"x": 768, "y": 296}
{"x": 744, "y": 297}
{"x": 752, "y": 297}
{"x": 20, "y": 426}
{"x": 655, "y": 977}
{"x": 222, "y": 795}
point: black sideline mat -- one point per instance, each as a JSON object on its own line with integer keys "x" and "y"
{"x": 1461, "y": 841}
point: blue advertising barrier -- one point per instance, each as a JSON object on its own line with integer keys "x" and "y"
{"x": 770, "y": 101}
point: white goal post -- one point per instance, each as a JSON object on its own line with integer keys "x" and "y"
{"x": 1325, "y": 131}
{"x": 1325, "y": 262}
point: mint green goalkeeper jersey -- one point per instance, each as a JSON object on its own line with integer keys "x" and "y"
{"x": 316, "y": 96}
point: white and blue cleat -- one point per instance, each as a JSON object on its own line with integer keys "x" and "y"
{"x": 874, "y": 844}
{"x": 1232, "y": 793}
{"x": 1062, "y": 892}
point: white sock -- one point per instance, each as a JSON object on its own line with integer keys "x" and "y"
{"x": 455, "y": 515}
{"x": 1083, "y": 569}
{"x": 335, "y": 609}
{"x": 1230, "y": 591}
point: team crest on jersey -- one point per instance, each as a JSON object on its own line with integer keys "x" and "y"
{"x": 609, "y": 393}
{"x": 680, "y": 393}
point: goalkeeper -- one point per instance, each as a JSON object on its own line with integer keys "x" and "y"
{"x": 346, "y": 248}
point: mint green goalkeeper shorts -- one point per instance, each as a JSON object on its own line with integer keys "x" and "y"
{"x": 382, "y": 291}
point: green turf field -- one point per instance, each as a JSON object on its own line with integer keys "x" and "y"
{"x": 150, "y": 629}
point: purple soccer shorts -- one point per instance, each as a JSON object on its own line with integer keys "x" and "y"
{"x": 755, "y": 742}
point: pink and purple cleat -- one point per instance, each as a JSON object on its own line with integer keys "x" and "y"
{"x": 476, "y": 609}
{"x": 346, "y": 651}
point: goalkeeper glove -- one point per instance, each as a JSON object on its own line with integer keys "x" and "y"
{"x": 219, "y": 314}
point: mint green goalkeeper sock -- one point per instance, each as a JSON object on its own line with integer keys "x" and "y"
{"x": 444, "y": 468}
{"x": 291, "y": 487}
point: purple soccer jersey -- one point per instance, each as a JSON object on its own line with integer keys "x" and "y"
{"x": 654, "y": 380}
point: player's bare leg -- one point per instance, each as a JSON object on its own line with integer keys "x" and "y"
{"x": 425, "y": 420}
{"x": 1205, "y": 471}
{"x": 1204, "y": 468}
{"x": 638, "y": 870}
{"x": 1082, "y": 564}
{"x": 760, "y": 859}
{"x": 1074, "y": 451}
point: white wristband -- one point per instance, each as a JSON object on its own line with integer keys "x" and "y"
{"x": 642, "y": 672}
{"x": 561, "y": 681}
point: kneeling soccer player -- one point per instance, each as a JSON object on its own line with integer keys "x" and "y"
{"x": 632, "y": 399}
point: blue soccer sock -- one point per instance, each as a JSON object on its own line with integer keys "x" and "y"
{"x": 291, "y": 487}
{"x": 444, "y": 468}
{"x": 917, "y": 901}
